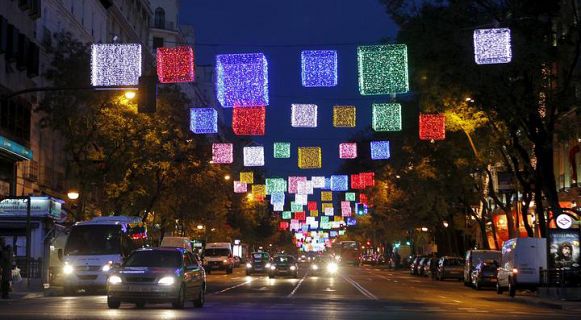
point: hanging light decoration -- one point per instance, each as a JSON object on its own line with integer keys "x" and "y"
{"x": 380, "y": 150}
{"x": 259, "y": 190}
{"x": 318, "y": 182}
{"x": 240, "y": 187}
{"x": 274, "y": 185}
{"x": 249, "y": 121}
{"x": 253, "y": 156}
{"x": 287, "y": 215}
{"x": 304, "y": 115}
{"x": 386, "y": 117}
{"x": 175, "y": 64}
{"x": 432, "y": 126}
{"x": 282, "y": 150}
{"x": 305, "y": 187}
{"x": 326, "y": 196}
{"x": 367, "y": 179}
{"x": 351, "y": 221}
{"x": 312, "y": 205}
{"x": 222, "y": 153}
{"x": 115, "y": 64}
{"x": 314, "y": 213}
{"x": 350, "y": 196}
{"x": 329, "y": 211}
{"x": 293, "y": 182}
{"x": 242, "y": 80}
{"x": 296, "y": 207}
{"x": 283, "y": 225}
{"x": 203, "y": 120}
{"x": 383, "y": 69}
{"x": 276, "y": 197}
{"x": 344, "y": 116}
{"x": 319, "y": 68}
{"x": 247, "y": 177}
{"x": 339, "y": 183}
{"x": 363, "y": 199}
{"x": 278, "y": 207}
{"x": 301, "y": 199}
{"x": 300, "y": 215}
{"x": 310, "y": 158}
{"x": 492, "y": 46}
{"x": 356, "y": 182}
{"x": 346, "y": 211}
{"x": 348, "y": 150}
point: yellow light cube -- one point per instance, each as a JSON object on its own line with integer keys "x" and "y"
{"x": 326, "y": 205}
{"x": 247, "y": 177}
{"x": 326, "y": 196}
{"x": 344, "y": 116}
{"x": 259, "y": 190}
{"x": 310, "y": 157}
{"x": 314, "y": 213}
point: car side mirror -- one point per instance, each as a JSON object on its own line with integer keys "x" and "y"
{"x": 60, "y": 254}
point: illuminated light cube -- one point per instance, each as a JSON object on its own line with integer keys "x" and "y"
{"x": 432, "y": 126}
{"x": 295, "y": 224}
{"x": 326, "y": 196}
{"x": 339, "y": 183}
{"x": 318, "y": 182}
{"x": 310, "y": 158}
{"x": 350, "y": 196}
{"x": 312, "y": 205}
{"x": 253, "y": 156}
{"x": 222, "y": 153}
{"x": 175, "y": 64}
{"x": 345, "y": 204}
{"x": 324, "y": 219}
{"x": 367, "y": 179}
{"x": 341, "y": 232}
{"x": 357, "y": 182}
{"x": 344, "y": 116}
{"x": 304, "y": 115}
{"x": 259, "y": 197}
{"x": 276, "y": 197}
{"x": 386, "y": 117}
{"x": 338, "y": 219}
{"x": 301, "y": 199}
{"x": 283, "y": 225}
{"x": 259, "y": 190}
{"x": 203, "y": 120}
{"x": 363, "y": 198}
{"x": 242, "y": 80}
{"x": 240, "y": 187}
{"x": 249, "y": 121}
{"x": 380, "y": 150}
{"x": 326, "y": 205}
{"x": 293, "y": 182}
{"x": 314, "y": 213}
{"x": 305, "y": 227}
{"x": 274, "y": 185}
{"x": 278, "y": 207}
{"x": 327, "y": 184}
{"x": 287, "y": 215}
{"x": 247, "y": 177}
{"x": 319, "y": 68}
{"x": 282, "y": 150}
{"x": 351, "y": 221}
{"x": 492, "y": 46}
{"x": 296, "y": 207}
{"x": 301, "y": 216}
{"x": 346, "y": 211}
{"x": 383, "y": 69}
{"x": 348, "y": 150}
{"x": 305, "y": 187}
{"x": 329, "y": 211}
{"x": 115, "y": 64}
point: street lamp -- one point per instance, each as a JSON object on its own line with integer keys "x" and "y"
{"x": 200, "y": 227}
{"x": 73, "y": 194}
{"x": 445, "y": 223}
{"x": 227, "y": 177}
{"x": 424, "y": 229}
{"x": 129, "y": 95}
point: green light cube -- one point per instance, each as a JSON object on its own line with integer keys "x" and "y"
{"x": 350, "y": 196}
{"x": 296, "y": 207}
{"x": 287, "y": 215}
{"x": 275, "y": 185}
{"x": 282, "y": 150}
{"x": 383, "y": 69}
{"x": 386, "y": 117}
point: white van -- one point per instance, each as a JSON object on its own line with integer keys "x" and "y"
{"x": 522, "y": 259}
{"x": 177, "y": 242}
{"x": 474, "y": 257}
{"x": 218, "y": 256}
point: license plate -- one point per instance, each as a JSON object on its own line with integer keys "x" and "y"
{"x": 135, "y": 289}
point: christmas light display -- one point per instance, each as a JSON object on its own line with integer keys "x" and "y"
{"x": 300, "y": 216}
{"x": 286, "y": 215}
{"x": 318, "y": 182}
{"x": 326, "y": 196}
{"x": 432, "y": 126}
{"x": 380, "y": 150}
{"x": 283, "y": 225}
{"x": 327, "y": 184}
{"x": 339, "y": 183}
{"x": 276, "y": 197}
{"x": 350, "y": 196}
{"x": 386, "y": 117}
{"x": 296, "y": 207}
{"x": 304, "y": 115}
{"x": 282, "y": 150}
{"x": 292, "y": 183}
{"x": 305, "y": 187}
{"x": 367, "y": 179}
{"x": 203, "y": 120}
{"x": 222, "y": 153}
{"x": 345, "y": 211}
{"x": 329, "y": 211}
{"x": 301, "y": 199}
{"x": 314, "y": 213}
{"x": 295, "y": 224}
{"x": 242, "y": 80}
{"x": 259, "y": 190}
{"x": 324, "y": 220}
{"x": 247, "y": 177}
{"x": 356, "y": 182}
{"x": 363, "y": 199}
{"x": 351, "y": 221}
{"x": 310, "y": 157}
{"x": 278, "y": 207}
{"x": 253, "y": 156}
{"x": 115, "y": 64}
{"x": 175, "y": 64}
{"x": 319, "y": 68}
{"x": 383, "y": 69}
{"x": 275, "y": 185}
{"x": 312, "y": 205}
{"x": 348, "y": 150}
{"x": 326, "y": 205}
{"x": 345, "y": 204}
{"x": 249, "y": 121}
{"x": 240, "y": 187}
{"x": 492, "y": 46}
{"x": 344, "y": 116}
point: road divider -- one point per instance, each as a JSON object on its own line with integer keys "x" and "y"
{"x": 298, "y": 285}
{"x": 360, "y": 288}
{"x": 232, "y": 287}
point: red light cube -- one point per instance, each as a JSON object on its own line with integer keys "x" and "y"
{"x": 249, "y": 121}
{"x": 432, "y": 127}
{"x": 175, "y": 64}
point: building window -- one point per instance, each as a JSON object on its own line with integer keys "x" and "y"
{"x": 159, "y": 18}
{"x": 157, "y": 42}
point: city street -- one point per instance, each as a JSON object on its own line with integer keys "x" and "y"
{"x": 357, "y": 293}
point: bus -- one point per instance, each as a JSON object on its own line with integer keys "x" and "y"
{"x": 349, "y": 252}
{"x": 93, "y": 246}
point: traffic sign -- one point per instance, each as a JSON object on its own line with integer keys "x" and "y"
{"x": 564, "y": 221}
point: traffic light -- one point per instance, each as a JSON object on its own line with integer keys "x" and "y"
{"x": 147, "y": 95}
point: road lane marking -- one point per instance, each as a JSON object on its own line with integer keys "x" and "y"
{"x": 360, "y": 288}
{"x": 297, "y": 287}
{"x": 233, "y": 287}
{"x": 457, "y": 301}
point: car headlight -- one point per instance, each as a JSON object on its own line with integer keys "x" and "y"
{"x": 267, "y": 265}
{"x": 167, "y": 281}
{"x": 272, "y": 268}
{"x": 248, "y": 265}
{"x": 106, "y": 268}
{"x": 225, "y": 261}
{"x": 315, "y": 267}
{"x": 114, "y": 280}
{"x": 293, "y": 268}
{"x": 68, "y": 269}
{"x": 332, "y": 267}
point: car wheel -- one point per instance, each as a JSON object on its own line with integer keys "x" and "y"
{"x": 498, "y": 288}
{"x": 140, "y": 305}
{"x": 511, "y": 289}
{"x": 198, "y": 303}
{"x": 113, "y": 303}
{"x": 179, "y": 303}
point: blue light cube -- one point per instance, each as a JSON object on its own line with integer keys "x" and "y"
{"x": 242, "y": 80}
{"x": 380, "y": 150}
{"x": 339, "y": 183}
{"x": 203, "y": 120}
{"x": 319, "y": 68}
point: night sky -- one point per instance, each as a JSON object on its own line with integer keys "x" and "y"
{"x": 281, "y": 29}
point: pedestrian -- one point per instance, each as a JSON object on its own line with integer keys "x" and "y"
{"x": 6, "y": 264}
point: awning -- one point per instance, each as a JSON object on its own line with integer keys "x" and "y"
{"x": 14, "y": 150}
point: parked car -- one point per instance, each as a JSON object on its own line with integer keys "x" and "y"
{"x": 414, "y": 265}
{"x": 283, "y": 265}
{"x": 450, "y": 268}
{"x": 430, "y": 267}
{"x": 258, "y": 263}
{"x": 522, "y": 259}
{"x": 484, "y": 274}
{"x": 473, "y": 258}
{"x": 157, "y": 275}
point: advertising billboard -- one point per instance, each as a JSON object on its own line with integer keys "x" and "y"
{"x": 564, "y": 248}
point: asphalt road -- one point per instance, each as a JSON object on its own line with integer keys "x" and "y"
{"x": 356, "y": 293}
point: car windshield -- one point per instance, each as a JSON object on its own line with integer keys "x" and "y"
{"x": 260, "y": 256}
{"x": 284, "y": 259}
{"x": 94, "y": 240}
{"x": 216, "y": 252}
{"x": 154, "y": 259}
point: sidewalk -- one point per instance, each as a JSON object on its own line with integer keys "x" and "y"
{"x": 23, "y": 290}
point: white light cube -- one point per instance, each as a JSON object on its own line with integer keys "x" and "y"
{"x": 492, "y": 46}
{"x": 304, "y": 115}
{"x": 115, "y": 64}
{"x": 253, "y": 156}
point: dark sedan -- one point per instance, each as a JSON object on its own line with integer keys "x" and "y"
{"x": 258, "y": 263}
{"x": 157, "y": 275}
{"x": 283, "y": 265}
{"x": 485, "y": 274}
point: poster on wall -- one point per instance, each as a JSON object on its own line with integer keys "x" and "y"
{"x": 564, "y": 248}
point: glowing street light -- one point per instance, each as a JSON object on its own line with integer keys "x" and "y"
{"x": 200, "y": 227}
{"x": 227, "y": 177}
{"x": 130, "y": 95}
{"x": 73, "y": 195}
{"x": 424, "y": 229}
{"x": 445, "y": 223}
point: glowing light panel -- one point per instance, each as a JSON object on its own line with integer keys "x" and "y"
{"x": 275, "y": 185}
{"x": 326, "y": 196}
{"x": 492, "y": 46}
{"x": 253, "y": 156}
{"x": 240, "y": 187}
{"x": 318, "y": 182}
{"x": 380, "y": 150}
{"x": 222, "y": 153}
{"x": 383, "y": 69}
{"x": 247, "y": 177}
{"x": 304, "y": 115}
{"x": 242, "y": 80}
{"x": 203, "y": 120}
{"x": 249, "y": 121}
{"x": 287, "y": 215}
{"x": 344, "y": 116}
{"x": 339, "y": 183}
{"x": 350, "y": 196}
{"x": 175, "y": 64}
{"x": 115, "y": 64}
{"x": 310, "y": 157}
{"x": 293, "y": 183}
{"x": 432, "y": 127}
{"x": 282, "y": 150}
{"x": 386, "y": 117}
{"x": 319, "y": 68}
{"x": 348, "y": 150}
